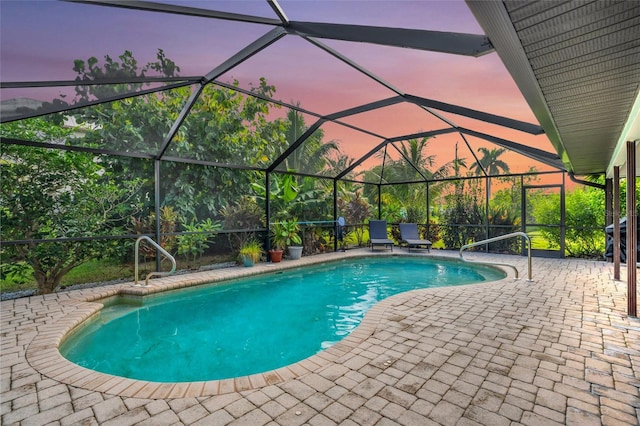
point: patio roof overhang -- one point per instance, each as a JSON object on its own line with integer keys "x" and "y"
{"x": 578, "y": 66}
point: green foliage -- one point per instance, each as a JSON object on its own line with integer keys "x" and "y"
{"x": 504, "y": 221}
{"x": 127, "y": 67}
{"x": 432, "y": 232}
{"x": 356, "y": 210}
{"x": 285, "y": 234}
{"x": 313, "y": 154}
{"x": 508, "y": 198}
{"x": 316, "y": 240}
{"x": 283, "y": 190}
{"x": 490, "y": 162}
{"x": 16, "y": 272}
{"x": 147, "y": 225}
{"x": 414, "y": 165}
{"x": 251, "y": 249}
{"x": 290, "y": 195}
{"x": 243, "y": 214}
{"x": 48, "y": 194}
{"x": 545, "y": 208}
{"x": 584, "y": 220}
{"x": 313, "y": 202}
{"x": 391, "y": 209}
{"x": 223, "y": 126}
{"x": 623, "y": 196}
{"x": 464, "y": 217}
{"x": 55, "y": 193}
{"x": 197, "y": 238}
{"x": 230, "y": 128}
{"x": 415, "y": 214}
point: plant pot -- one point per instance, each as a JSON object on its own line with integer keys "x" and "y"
{"x": 247, "y": 261}
{"x": 275, "y": 255}
{"x": 295, "y": 252}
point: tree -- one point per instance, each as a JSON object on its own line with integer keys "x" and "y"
{"x": 584, "y": 220}
{"x": 48, "y": 194}
{"x": 410, "y": 197}
{"x": 223, "y": 126}
{"x": 229, "y": 128}
{"x": 126, "y": 68}
{"x": 464, "y": 216}
{"x": 490, "y": 162}
{"x": 312, "y": 155}
{"x": 292, "y": 195}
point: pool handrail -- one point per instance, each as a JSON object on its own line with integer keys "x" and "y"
{"x": 498, "y": 238}
{"x": 161, "y": 250}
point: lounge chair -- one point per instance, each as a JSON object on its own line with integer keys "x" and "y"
{"x": 409, "y": 236}
{"x": 378, "y": 234}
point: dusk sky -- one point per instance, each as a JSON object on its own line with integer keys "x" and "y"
{"x": 39, "y": 41}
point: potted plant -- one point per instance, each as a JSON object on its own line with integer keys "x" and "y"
{"x": 250, "y": 252}
{"x": 284, "y": 235}
{"x": 294, "y": 245}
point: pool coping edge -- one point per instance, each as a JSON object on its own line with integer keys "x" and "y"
{"x": 44, "y": 356}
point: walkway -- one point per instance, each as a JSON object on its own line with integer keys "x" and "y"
{"x": 560, "y": 350}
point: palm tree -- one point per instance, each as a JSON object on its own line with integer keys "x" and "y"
{"x": 340, "y": 162}
{"x": 413, "y": 156}
{"x": 490, "y": 162}
{"x": 311, "y": 156}
{"x": 413, "y": 150}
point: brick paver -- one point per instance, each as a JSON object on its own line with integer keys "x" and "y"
{"x": 559, "y": 350}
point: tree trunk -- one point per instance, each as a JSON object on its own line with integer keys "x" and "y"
{"x": 48, "y": 284}
{"x": 49, "y": 279}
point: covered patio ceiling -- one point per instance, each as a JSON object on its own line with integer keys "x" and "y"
{"x": 577, "y": 63}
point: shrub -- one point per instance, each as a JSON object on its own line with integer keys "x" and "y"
{"x": 194, "y": 243}
{"x": 244, "y": 214}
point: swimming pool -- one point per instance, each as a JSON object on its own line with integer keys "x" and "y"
{"x": 252, "y": 325}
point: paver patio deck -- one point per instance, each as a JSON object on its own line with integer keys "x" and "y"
{"x": 560, "y": 350}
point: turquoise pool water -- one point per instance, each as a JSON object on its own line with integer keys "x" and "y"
{"x": 253, "y": 324}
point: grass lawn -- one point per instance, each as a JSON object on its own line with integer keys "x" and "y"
{"x": 107, "y": 270}
{"x": 538, "y": 242}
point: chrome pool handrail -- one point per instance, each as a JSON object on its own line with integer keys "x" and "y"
{"x": 157, "y": 273}
{"x": 498, "y": 238}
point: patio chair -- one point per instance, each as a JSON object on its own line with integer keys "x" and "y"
{"x": 378, "y": 234}
{"x": 409, "y": 236}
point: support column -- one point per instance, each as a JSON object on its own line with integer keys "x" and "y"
{"x": 616, "y": 223}
{"x": 267, "y": 209}
{"x": 632, "y": 236}
{"x": 428, "y": 213}
{"x": 608, "y": 202}
{"x": 335, "y": 215}
{"x": 523, "y": 217}
{"x": 563, "y": 219}
{"x": 156, "y": 184}
{"x": 487, "y": 198}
